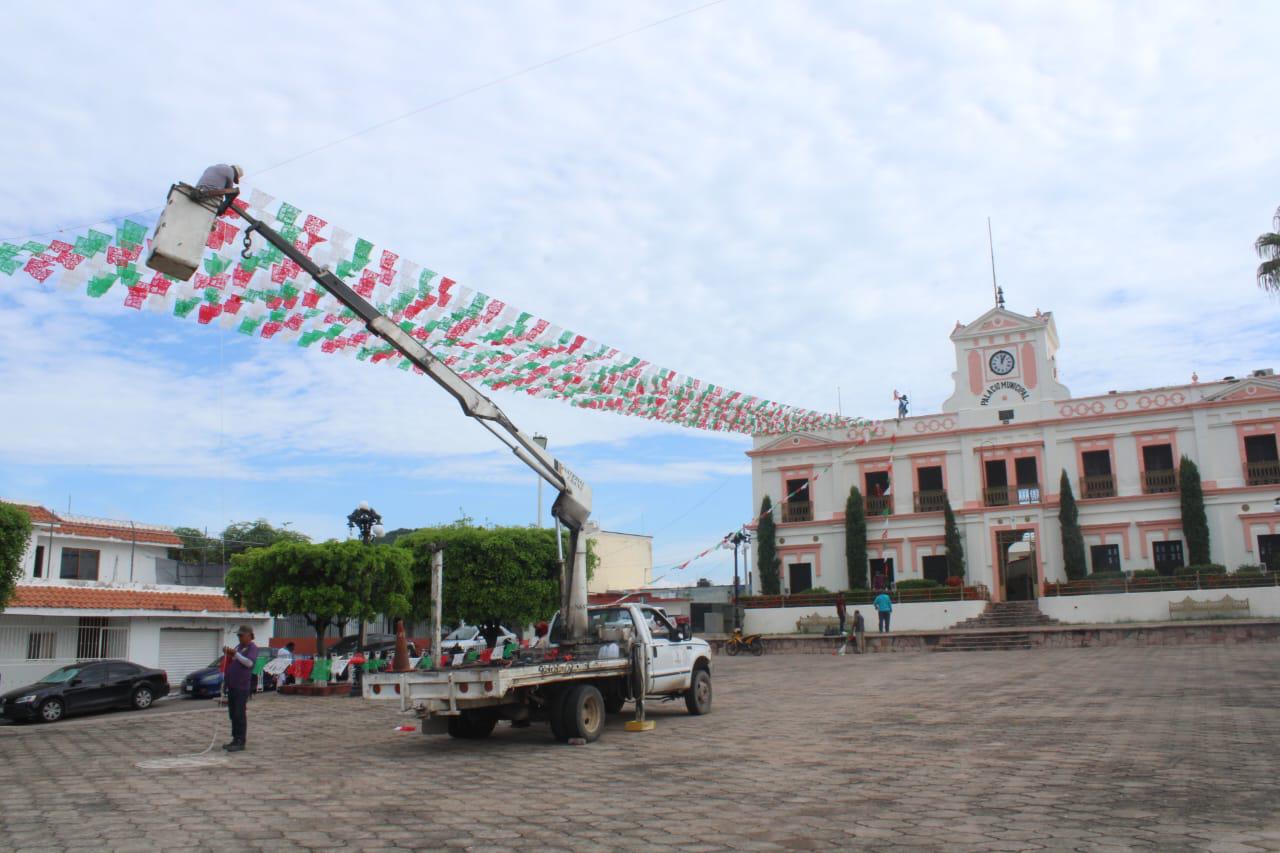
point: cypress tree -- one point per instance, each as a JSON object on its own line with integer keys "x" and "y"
{"x": 1195, "y": 527}
{"x": 955, "y": 546}
{"x": 1072, "y": 539}
{"x": 855, "y": 540}
{"x": 767, "y": 563}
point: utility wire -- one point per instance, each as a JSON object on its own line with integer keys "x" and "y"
{"x": 497, "y": 81}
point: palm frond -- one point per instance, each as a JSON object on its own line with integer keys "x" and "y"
{"x": 1269, "y": 275}
{"x": 1268, "y": 246}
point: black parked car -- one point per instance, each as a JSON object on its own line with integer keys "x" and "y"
{"x": 373, "y": 644}
{"x": 88, "y": 686}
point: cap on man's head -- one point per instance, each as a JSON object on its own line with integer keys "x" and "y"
{"x": 239, "y": 170}
{"x": 244, "y": 629}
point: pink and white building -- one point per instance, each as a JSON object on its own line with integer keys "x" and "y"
{"x": 997, "y": 450}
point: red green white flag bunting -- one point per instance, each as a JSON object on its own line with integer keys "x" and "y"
{"x": 484, "y": 339}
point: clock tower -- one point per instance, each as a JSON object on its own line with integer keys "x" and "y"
{"x": 1006, "y": 369}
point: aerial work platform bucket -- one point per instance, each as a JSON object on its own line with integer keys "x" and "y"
{"x": 181, "y": 234}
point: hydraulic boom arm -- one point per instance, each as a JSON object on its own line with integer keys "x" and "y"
{"x": 180, "y": 236}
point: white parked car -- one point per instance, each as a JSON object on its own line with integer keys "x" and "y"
{"x": 467, "y": 637}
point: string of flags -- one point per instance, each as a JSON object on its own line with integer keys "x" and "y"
{"x": 483, "y": 338}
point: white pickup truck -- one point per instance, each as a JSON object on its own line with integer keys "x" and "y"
{"x": 635, "y": 652}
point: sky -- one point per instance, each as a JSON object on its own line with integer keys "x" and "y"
{"x": 789, "y": 199}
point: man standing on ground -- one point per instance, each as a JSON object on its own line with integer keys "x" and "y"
{"x": 238, "y": 678}
{"x": 840, "y": 610}
{"x": 884, "y": 606}
{"x": 859, "y": 632}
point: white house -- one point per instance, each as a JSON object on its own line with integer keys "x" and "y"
{"x": 997, "y": 450}
{"x": 89, "y": 590}
{"x": 625, "y": 559}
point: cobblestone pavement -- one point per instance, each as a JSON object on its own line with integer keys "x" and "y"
{"x": 1085, "y": 749}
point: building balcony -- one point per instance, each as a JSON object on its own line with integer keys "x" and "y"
{"x": 1098, "y": 486}
{"x": 797, "y": 511}
{"x": 1263, "y": 473}
{"x": 930, "y": 500}
{"x": 1160, "y": 481}
{"x": 878, "y": 504}
{"x": 1023, "y": 493}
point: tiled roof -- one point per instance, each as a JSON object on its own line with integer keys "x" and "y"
{"x": 90, "y": 598}
{"x": 99, "y": 528}
{"x": 38, "y": 514}
{"x": 124, "y": 534}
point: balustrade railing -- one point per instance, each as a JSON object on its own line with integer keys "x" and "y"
{"x": 1098, "y": 486}
{"x": 797, "y": 511}
{"x": 930, "y": 500}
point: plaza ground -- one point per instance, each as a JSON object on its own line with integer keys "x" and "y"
{"x": 1088, "y": 749}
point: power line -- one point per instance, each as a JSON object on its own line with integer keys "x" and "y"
{"x": 497, "y": 81}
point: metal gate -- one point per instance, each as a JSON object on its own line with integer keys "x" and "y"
{"x": 183, "y": 651}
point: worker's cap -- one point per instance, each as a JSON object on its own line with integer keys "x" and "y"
{"x": 239, "y": 170}
{"x": 244, "y": 629}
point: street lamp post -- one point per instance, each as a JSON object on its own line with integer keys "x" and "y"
{"x": 367, "y": 520}
{"x": 738, "y": 537}
{"x": 541, "y": 441}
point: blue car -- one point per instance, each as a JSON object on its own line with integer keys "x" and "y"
{"x": 207, "y": 683}
{"x": 204, "y": 683}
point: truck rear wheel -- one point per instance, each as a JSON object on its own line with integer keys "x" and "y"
{"x": 470, "y": 725}
{"x": 583, "y": 712}
{"x": 698, "y": 697}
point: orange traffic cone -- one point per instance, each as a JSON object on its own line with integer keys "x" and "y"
{"x": 400, "y": 663}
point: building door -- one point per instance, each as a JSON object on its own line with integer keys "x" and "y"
{"x": 800, "y": 577}
{"x": 1269, "y": 551}
{"x": 881, "y": 573}
{"x": 1168, "y": 556}
{"x": 183, "y": 651}
{"x": 935, "y": 568}
{"x": 1018, "y": 578}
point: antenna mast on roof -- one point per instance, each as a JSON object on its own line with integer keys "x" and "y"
{"x": 996, "y": 290}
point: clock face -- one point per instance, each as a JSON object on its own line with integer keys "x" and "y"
{"x": 1001, "y": 362}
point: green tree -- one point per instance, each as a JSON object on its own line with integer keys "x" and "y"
{"x": 1268, "y": 248}
{"x": 15, "y": 538}
{"x": 955, "y": 545}
{"x": 855, "y": 540}
{"x": 325, "y": 583}
{"x": 505, "y": 573}
{"x": 236, "y": 538}
{"x": 768, "y": 566}
{"x": 1072, "y": 538}
{"x": 1195, "y": 526}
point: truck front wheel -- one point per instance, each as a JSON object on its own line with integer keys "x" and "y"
{"x": 698, "y": 697}
{"x": 582, "y": 714}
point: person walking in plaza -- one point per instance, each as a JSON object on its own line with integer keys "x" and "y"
{"x": 884, "y": 607}
{"x": 840, "y": 610}
{"x": 238, "y": 678}
{"x": 859, "y": 632}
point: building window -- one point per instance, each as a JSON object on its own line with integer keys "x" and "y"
{"x": 79, "y": 564}
{"x": 877, "y": 498}
{"x": 1097, "y": 481}
{"x": 1158, "y": 474}
{"x": 1168, "y": 556}
{"x": 797, "y": 505}
{"x": 42, "y": 645}
{"x": 996, "y": 492}
{"x": 39, "y": 566}
{"x": 1105, "y": 558}
{"x": 930, "y": 495}
{"x": 934, "y": 568}
{"x": 1269, "y": 551}
{"x": 91, "y": 642}
{"x": 1262, "y": 463}
{"x": 1028, "y": 477}
{"x": 882, "y": 573}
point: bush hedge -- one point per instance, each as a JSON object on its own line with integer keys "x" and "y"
{"x": 1249, "y": 571}
{"x": 1109, "y": 575}
{"x": 1146, "y": 573}
{"x": 919, "y": 583}
{"x": 1205, "y": 569}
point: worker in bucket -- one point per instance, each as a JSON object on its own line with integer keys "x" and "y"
{"x": 219, "y": 180}
{"x": 239, "y": 681}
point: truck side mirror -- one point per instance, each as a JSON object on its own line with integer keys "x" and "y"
{"x": 685, "y": 630}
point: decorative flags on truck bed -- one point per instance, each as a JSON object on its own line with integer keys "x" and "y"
{"x": 487, "y": 341}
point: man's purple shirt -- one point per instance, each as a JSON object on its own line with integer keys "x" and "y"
{"x": 238, "y": 675}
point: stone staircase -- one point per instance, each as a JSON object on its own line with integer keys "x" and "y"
{"x": 1007, "y": 614}
{"x": 996, "y": 628}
